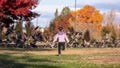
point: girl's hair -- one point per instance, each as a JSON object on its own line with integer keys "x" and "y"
{"x": 60, "y": 28}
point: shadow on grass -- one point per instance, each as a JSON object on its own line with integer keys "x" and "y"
{"x": 7, "y": 61}
{"x": 41, "y": 60}
{"x": 28, "y": 49}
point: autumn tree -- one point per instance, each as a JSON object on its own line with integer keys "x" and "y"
{"x": 29, "y": 28}
{"x": 87, "y": 17}
{"x": 52, "y": 27}
{"x": 61, "y": 20}
{"x": 18, "y": 27}
{"x": 109, "y": 25}
{"x": 11, "y": 10}
{"x": 56, "y": 14}
{"x": 109, "y": 17}
{"x": 47, "y": 35}
{"x": 65, "y": 11}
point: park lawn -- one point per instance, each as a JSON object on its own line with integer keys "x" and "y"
{"x": 31, "y": 60}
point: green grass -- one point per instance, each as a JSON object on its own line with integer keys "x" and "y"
{"x": 48, "y": 61}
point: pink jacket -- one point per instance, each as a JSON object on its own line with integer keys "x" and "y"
{"x": 61, "y": 37}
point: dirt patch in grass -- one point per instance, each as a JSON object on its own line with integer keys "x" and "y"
{"x": 105, "y": 60}
{"x": 82, "y": 52}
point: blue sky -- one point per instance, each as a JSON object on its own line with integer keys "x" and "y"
{"x": 47, "y": 8}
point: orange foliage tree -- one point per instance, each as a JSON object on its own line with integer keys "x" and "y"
{"x": 62, "y": 22}
{"x": 87, "y": 18}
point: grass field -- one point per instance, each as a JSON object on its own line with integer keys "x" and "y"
{"x": 70, "y": 58}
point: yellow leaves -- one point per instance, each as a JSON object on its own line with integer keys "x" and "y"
{"x": 87, "y": 18}
{"x": 72, "y": 13}
{"x": 87, "y": 14}
{"x": 97, "y": 17}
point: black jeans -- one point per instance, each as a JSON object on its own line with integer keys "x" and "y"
{"x": 61, "y": 45}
